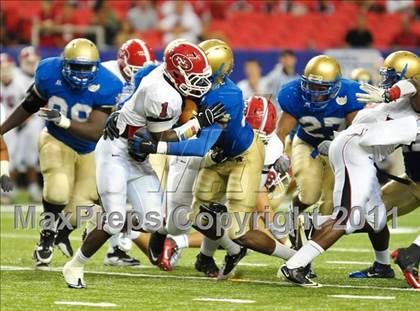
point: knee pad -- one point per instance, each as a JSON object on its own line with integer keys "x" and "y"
{"x": 308, "y": 194}
{"x": 240, "y": 226}
{"x": 56, "y": 189}
{"x": 208, "y": 220}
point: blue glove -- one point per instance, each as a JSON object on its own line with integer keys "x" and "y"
{"x": 141, "y": 145}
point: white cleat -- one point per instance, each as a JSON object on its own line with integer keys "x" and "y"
{"x": 73, "y": 276}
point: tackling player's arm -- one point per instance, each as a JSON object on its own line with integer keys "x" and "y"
{"x": 286, "y": 124}
{"x": 92, "y": 129}
{"x": 31, "y": 104}
{"x": 350, "y": 117}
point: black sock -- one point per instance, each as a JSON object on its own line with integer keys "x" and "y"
{"x": 53, "y": 209}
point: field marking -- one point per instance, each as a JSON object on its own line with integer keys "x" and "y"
{"x": 345, "y": 262}
{"x": 350, "y": 250}
{"x": 203, "y": 278}
{"x": 404, "y": 230}
{"x": 30, "y": 236}
{"x": 88, "y": 304}
{"x": 225, "y": 300}
{"x": 363, "y": 297}
{"x": 252, "y": 264}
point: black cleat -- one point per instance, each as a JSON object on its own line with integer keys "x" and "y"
{"x": 156, "y": 247}
{"x": 62, "y": 241}
{"x": 206, "y": 265}
{"x": 377, "y": 270}
{"x": 230, "y": 263}
{"x": 120, "y": 258}
{"x": 43, "y": 252}
{"x": 408, "y": 261}
{"x": 298, "y": 276}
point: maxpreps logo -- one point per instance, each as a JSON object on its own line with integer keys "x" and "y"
{"x": 182, "y": 61}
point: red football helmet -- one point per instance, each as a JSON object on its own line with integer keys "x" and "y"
{"x": 187, "y": 67}
{"x": 261, "y": 114}
{"x": 133, "y": 55}
{"x": 28, "y": 59}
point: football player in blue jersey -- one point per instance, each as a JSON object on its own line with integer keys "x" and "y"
{"x": 232, "y": 170}
{"x": 78, "y": 94}
{"x": 319, "y": 103}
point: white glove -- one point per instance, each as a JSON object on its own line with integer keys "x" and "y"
{"x": 54, "y": 116}
{"x": 373, "y": 94}
{"x": 324, "y": 147}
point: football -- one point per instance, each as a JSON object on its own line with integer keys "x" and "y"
{"x": 189, "y": 110}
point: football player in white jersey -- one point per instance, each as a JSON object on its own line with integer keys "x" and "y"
{"x": 375, "y": 134}
{"x": 27, "y": 149}
{"x": 133, "y": 55}
{"x": 156, "y": 105}
{"x": 11, "y": 93}
{"x": 400, "y": 86}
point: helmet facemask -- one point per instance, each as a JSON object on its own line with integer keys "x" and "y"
{"x": 195, "y": 84}
{"x": 390, "y": 76}
{"x": 79, "y": 73}
{"x": 318, "y": 93}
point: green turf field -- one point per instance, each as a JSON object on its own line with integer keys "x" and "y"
{"x": 254, "y": 287}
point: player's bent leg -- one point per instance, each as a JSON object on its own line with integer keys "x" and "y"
{"x": 307, "y": 172}
{"x": 57, "y": 163}
{"x": 405, "y": 198}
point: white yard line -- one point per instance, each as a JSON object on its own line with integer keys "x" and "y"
{"x": 203, "y": 278}
{"x": 350, "y": 250}
{"x": 30, "y": 236}
{"x": 251, "y": 264}
{"x": 363, "y": 297}
{"x": 344, "y": 262}
{"x": 225, "y": 300}
{"x": 88, "y": 304}
{"x": 404, "y": 230}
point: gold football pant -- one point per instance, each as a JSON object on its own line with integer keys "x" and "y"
{"x": 314, "y": 177}
{"x": 69, "y": 177}
{"x": 405, "y": 197}
{"x": 238, "y": 179}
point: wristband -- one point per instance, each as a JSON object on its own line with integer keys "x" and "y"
{"x": 403, "y": 88}
{"x": 64, "y": 122}
{"x": 4, "y": 168}
{"x": 188, "y": 130}
{"x": 162, "y": 147}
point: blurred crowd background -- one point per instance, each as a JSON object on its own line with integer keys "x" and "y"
{"x": 272, "y": 39}
{"x": 297, "y": 24}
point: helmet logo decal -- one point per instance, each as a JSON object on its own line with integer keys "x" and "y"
{"x": 182, "y": 61}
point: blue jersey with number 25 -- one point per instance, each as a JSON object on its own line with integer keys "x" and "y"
{"x": 318, "y": 125}
{"x": 75, "y": 104}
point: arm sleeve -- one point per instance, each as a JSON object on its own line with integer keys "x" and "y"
{"x": 196, "y": 147}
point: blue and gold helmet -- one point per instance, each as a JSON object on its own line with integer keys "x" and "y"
{"x": 397, "y": 66}
{"x": 80, "y": 62}
{"x": 320, "y": 81}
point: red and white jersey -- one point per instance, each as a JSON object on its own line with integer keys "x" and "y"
{"x": 11, "y": 95}
{"x": 385, "y": 126}
{"x": 155, "y": 104}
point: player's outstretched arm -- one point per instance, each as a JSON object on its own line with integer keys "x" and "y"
{"x": 92, "y": 129}
{"x": 285, "y": 125}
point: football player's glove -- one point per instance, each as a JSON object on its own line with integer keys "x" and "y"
{"x": 111, "y": 131}
{"x": 373, "y": 94}
{"x": 282, "y": 164}
{"x": 55, "y": 116}
{"x": 6, "y": 183}
{"x": 209, "y": 115}
{"x": 324, "y": 147}
{"x": 141, "y": 145}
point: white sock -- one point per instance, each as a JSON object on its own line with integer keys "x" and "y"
{"x": 134, "y": 235}
{"x": 79, "y": 259}
{"x": 383, "y": 257}
{"x": 322, "y": 219}
{"x": 231, "y": 247}
{"x": 113, "y": 242}
{"x": 417, "y": 240}
{"x": 181, "y": 240}
{"x": 305, "y": 255}
{"x": 208, "y": 247}
{"x": 283, "y": 251}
